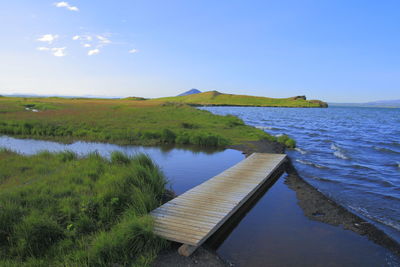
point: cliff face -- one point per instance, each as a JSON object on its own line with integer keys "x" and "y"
{"x": 322, "y": 104}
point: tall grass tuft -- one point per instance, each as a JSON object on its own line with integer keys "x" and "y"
{"x": 58, "y": 209}
{"x": 119, "y": 158}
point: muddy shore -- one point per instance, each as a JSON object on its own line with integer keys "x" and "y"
{"x": 314, "y": 204}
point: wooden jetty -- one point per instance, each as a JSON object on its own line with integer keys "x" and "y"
{"x": 195, "y": 215}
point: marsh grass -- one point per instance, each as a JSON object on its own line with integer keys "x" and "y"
{"x": 144, "y": 122}
{"x": 57, "y": 209}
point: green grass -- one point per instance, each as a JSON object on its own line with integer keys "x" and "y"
{"x": 61, "y": 210}
{"x": 214, "y": 98}
{"x": 123, "y": 121}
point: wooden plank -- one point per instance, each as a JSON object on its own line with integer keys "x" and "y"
{"x": 204, "y": 200}
{"x": 217, "y": 209}
{"x": 195, "y": 215}
{"x": 198, "y": 216}
{"x": 182, "y": 227}
{"x": 174, "y": 220}
{"x": 193, "y": 209}
{"x": 215, "y": 197}
{"x": 208, "y": 198}
{"x": 183, "y": 230}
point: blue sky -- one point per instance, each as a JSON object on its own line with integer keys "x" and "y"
{"x": 338, "y": 51}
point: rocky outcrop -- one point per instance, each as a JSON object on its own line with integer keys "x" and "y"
{"x": 300, "y": 97}
{"x": 322, "y": 104}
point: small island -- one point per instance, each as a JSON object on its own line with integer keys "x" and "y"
{"x": 215, "y": 98}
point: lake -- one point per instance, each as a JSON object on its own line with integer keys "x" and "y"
{"x": 350, "y": 154}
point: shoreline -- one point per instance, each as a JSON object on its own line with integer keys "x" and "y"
{"x": 314, "y": 204}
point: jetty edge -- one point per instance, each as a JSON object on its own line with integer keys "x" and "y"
{"x": 191, "y": 218}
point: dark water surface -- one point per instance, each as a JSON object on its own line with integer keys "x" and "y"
{"x": 273, "y": 233}
{"x": 350, "y": 154}
{"x": 276, "y": 233}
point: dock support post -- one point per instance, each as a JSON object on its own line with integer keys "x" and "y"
{"x": 186, "y": 250}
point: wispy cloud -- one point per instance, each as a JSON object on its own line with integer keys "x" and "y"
{"x": 55, "y": 51}
{"x": 93, "y": 42}
{"x": 103, "y": 40}
{"x": 58, "y": 51}
{"x": 66, "y": 5}
{"x": 42, "y": 48}
{"x": 48, "y": 38}
{"x": 132, "y": 51}
{"x": 82, "y": 38}
{"x": 93, "y": 52}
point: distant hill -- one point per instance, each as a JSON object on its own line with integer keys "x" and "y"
{"x": 215, "y": 98}
{"x": 190, "y": 92}
{"x": 376, "y": 104}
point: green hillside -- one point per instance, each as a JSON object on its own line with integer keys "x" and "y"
{"x": 215, "y": 98}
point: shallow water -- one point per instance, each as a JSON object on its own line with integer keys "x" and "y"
{"x": 273, "y": 233}
{"x": 350, "y": 154}
{"x": 276, "y": 233}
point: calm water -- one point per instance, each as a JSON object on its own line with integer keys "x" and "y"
{"x": 350, "y": 154}
{"x": 274, "y": 232}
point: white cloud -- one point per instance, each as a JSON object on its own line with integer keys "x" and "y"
{"x": 58, "y": 51}
{"x": 93, "y": 52}
{"x": 87, "y": 45}
{"x": 66, "y": 5}
{"x": 42, "y": 48}
{"x": 82, "y": 37}
{"x": 48, "y": 38}
{"x": 73, "y": 8}
{"x": 103, "y": 40}
{"x": 61, "y": 4}
{"x": 132, "y": 51}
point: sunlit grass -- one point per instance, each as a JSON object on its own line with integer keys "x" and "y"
{"x": 61, "y": 210}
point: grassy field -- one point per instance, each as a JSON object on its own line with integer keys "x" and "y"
{"x": 214, "y": 98}
{"x": 60, "y": 210}
{"x": 123, "y": 121}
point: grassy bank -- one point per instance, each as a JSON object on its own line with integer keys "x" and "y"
{"x": 123, "y": 121}
{"x": 214, "y": 98}
{"x": 60, "y": 210}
